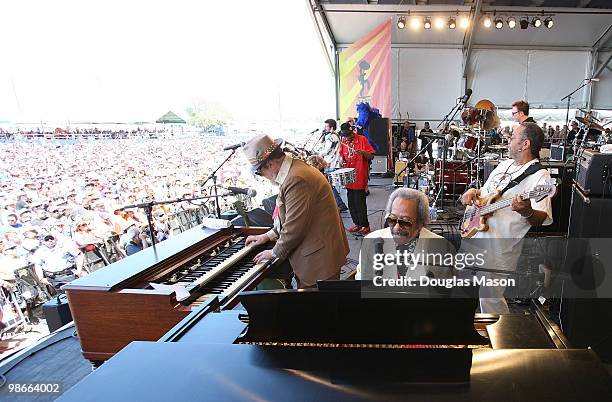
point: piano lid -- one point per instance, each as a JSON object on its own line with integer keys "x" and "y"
{"x": 341, "y": 315}
{"x": 126, "y": 268}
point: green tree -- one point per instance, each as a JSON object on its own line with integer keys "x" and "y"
{"x": 207, "y": 114}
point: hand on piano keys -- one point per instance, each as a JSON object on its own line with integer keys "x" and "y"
{"x": 257, "y": 240}
{"x": 263, "y": 256}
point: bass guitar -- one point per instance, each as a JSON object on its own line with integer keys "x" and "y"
{"x": 475, "y": 216}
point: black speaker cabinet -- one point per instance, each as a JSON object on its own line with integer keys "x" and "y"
{"x": 380, "y": 133}
{"x": 593, "y": 173}
{"x": 57, "y": 312}
{"x": 590, "y": 216}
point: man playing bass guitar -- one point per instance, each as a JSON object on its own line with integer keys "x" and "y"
{"x": 515, "y": 176}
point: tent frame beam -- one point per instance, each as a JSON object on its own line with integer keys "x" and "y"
{"x": 469, "y": 36}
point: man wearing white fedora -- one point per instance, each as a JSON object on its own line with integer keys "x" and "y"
{"x": 308, "y": 230}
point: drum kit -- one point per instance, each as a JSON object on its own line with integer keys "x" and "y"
{"x": 594, "y": 135}
{"x": 470, "y": 145}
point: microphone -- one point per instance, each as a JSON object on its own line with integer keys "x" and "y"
{"x": 246, "y": 191}
{"x": 467, "y": 95}
{"x": 378, "y": 249}
{"x": 315, "y": 130}
{"x": 232, "y": 147}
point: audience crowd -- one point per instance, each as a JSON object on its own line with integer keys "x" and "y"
{"x": 59, "y": 199}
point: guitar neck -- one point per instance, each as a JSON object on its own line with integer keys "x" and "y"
{"x": 488, "y": 209}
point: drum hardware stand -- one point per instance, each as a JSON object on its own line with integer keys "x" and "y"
{"x": 466, "y": 163}
{"x": 440, "y": 194}
{"x": 446, "y": 120}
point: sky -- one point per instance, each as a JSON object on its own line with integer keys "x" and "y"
{"x": 131, "y": 60}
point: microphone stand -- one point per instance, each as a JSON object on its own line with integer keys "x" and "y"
{"x": 421, "y": 152}
{"x": 569, "y": 97}
{"x": 213, "y": 176}
{"x": 446, "y": 120}
{"x": 148, "y": 207}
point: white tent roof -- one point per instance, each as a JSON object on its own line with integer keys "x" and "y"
{"x": 574, "y": 26}
{"x": 582, "y": 28}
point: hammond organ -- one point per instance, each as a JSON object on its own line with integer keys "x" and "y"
{"x": 143, "y": 296}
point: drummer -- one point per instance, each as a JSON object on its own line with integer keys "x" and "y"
{"x": 520, "y": 112}
{"x": 355, "y": 152}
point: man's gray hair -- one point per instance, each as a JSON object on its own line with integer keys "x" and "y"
{"x": 411, "y": 194}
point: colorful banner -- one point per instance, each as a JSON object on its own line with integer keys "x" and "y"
{"x": 365, "y": 73}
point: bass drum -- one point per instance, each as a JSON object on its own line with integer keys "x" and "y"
{"x": 456, "y": 173}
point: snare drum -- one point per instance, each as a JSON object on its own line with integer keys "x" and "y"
{"x": 341, "y": 177}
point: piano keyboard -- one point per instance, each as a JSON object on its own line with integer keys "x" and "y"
{"x": 200, "y": 273}
{"x": 228, "y": 283}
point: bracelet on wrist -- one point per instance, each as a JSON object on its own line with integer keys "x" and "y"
{"x": 530, "y": 215}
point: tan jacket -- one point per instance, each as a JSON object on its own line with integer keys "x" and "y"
{"x": 311, "y": 233}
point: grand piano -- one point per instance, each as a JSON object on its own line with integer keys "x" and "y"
{"x": 332, "y": 344}
{"x": 143, "y": 296}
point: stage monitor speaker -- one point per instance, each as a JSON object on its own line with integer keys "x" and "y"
{"x": 380, "y": 133}
{"x": 57, "y": 312}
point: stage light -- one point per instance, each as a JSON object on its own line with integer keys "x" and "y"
{"x": 464, "y": 22}
{"x": 548, "y": 22}
{"x": 499, "y": 23}
{"x": 401, "y": 22}
{"x": 439, "y": 23}
{"x": 511, "y": 22}
{"x": 427, "y": 23}
{"x": 452, "y": 24}
{"x": 524, "y": 23}
{"x": 537, "y": 22}
{"x": 415, "y": 23}
{"x": 487, "y": 22}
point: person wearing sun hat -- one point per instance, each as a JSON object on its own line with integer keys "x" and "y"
{"x": 308, "y": 230}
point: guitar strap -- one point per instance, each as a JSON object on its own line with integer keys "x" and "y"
{"x": 528, "y": 172}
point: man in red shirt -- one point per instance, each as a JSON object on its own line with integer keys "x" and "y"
{"x": 355, "y": 152}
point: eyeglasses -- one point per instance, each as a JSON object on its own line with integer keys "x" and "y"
{"x": 404, "y": 224}
{"x": 260, "y": 168}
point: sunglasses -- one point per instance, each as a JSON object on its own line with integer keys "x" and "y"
{"x": 258, "y": 171}
{"x": 513, "y": 113}
{"x": 404, "y": 224}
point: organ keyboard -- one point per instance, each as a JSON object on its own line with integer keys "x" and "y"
{"x": 121, "y": 303}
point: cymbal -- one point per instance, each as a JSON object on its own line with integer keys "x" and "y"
{"x": 590, "y": 123}
{"x": 589, "y": 114}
